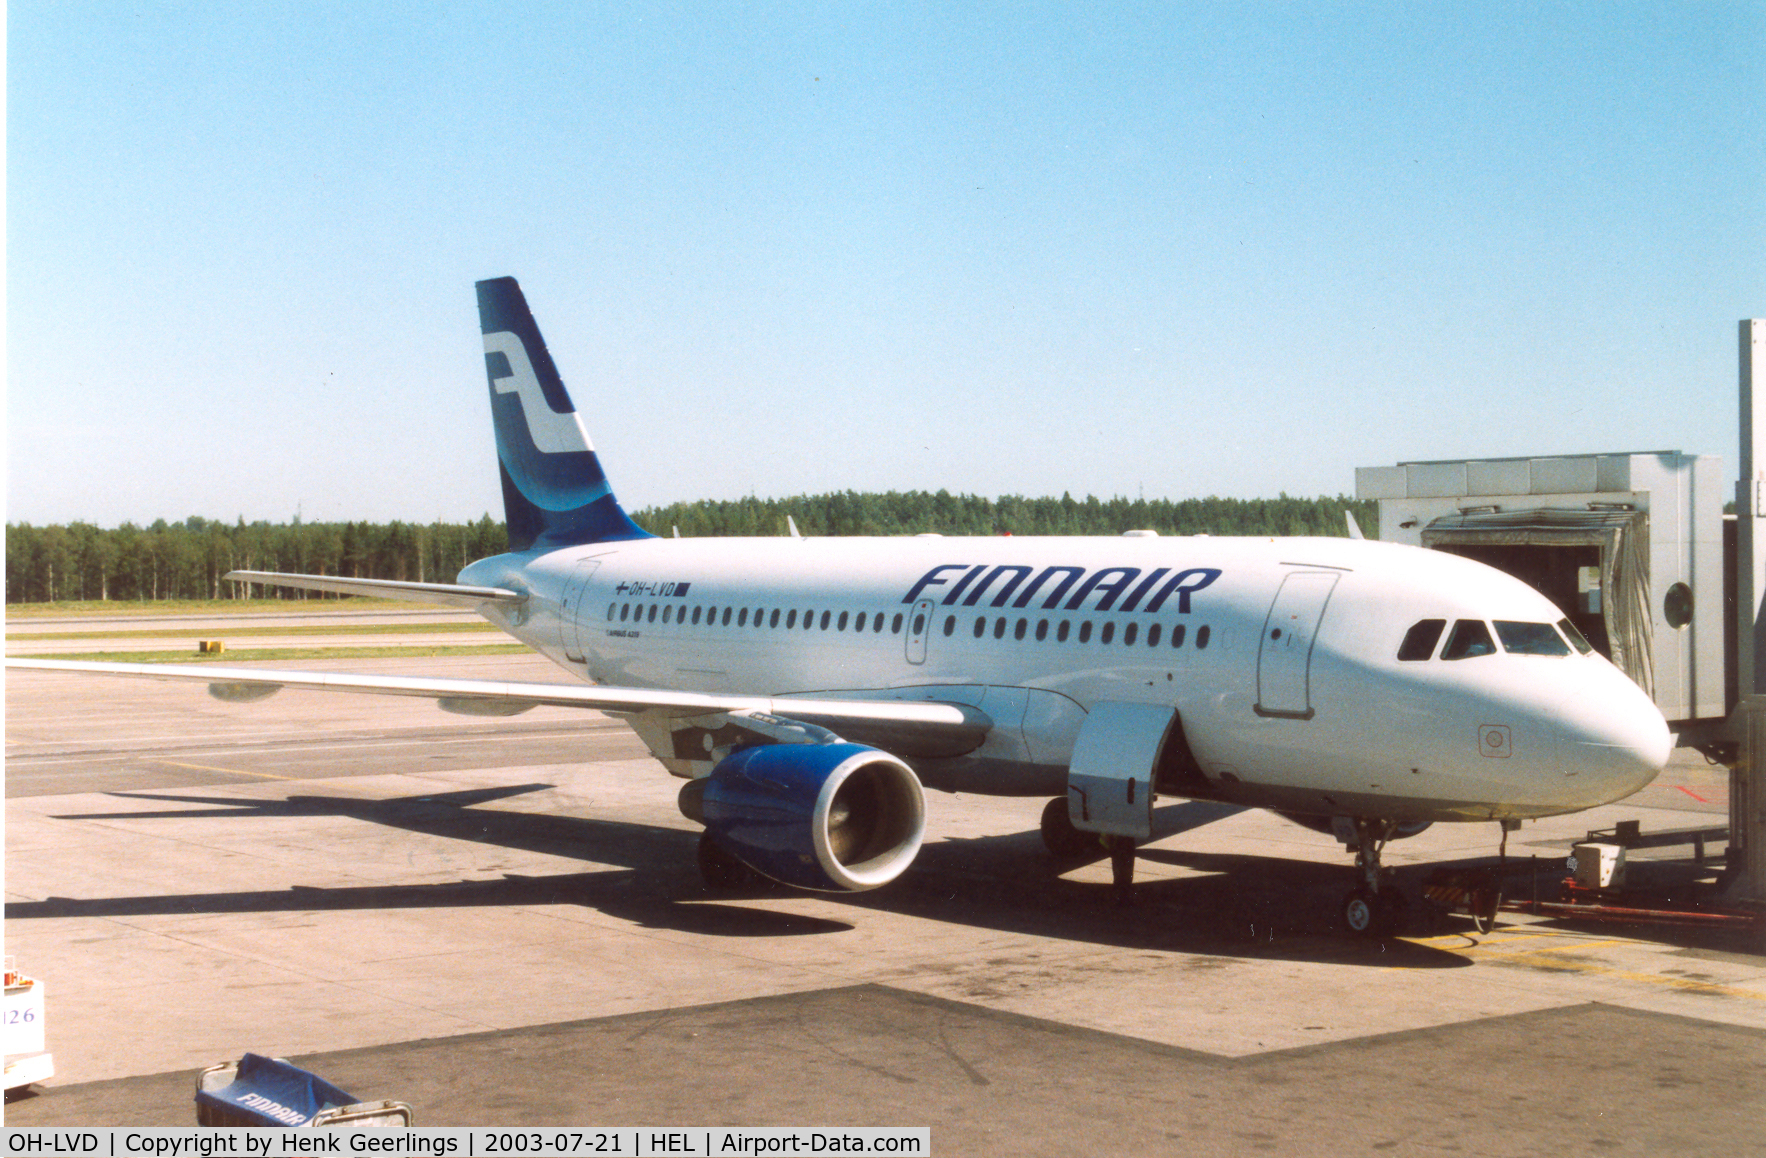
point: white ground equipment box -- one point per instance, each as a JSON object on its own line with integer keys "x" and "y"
{"x": 21, "y": 1030}
{"x": 1630, "y": 546}
{"x": 1599, "y": 866}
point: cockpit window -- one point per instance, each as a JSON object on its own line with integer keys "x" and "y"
{"x": 1575, "y": 636}
{"x": 1530, "y": 638}
{"x": 1419, "y": 642}
{"x": 1470, "y": 638}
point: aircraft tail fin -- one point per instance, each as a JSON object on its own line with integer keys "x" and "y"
{"x": 554, "y": 491}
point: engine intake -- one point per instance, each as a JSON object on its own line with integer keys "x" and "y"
{"x": 832, "y": 817}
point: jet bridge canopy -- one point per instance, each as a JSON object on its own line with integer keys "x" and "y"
{"x": 1629, "y": 545}
{"x": 1593, "y": 563}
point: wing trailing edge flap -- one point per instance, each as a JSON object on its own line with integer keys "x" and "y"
{"x": 444, "y": 594}
{"x": 906, "y": 727}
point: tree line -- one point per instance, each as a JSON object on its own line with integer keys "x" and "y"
{"x": 185, "y": 560}
{"x": 920, "y": 512}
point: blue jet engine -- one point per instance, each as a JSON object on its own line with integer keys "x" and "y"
{"x": 835, "y": 817}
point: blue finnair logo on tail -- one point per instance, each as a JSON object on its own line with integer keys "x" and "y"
{"x": 506, "y": 363}
{"x": 554, "y": 492}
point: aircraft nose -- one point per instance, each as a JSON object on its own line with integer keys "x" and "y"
{"x": 1617, "y": 737}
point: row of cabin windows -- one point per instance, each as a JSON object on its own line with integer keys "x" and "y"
{"x": 622, "y": 612}
{"x": 762, "y": 617}
{"x": 1064, "y": 627}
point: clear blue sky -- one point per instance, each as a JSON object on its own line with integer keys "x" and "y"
{"x": 1174, "y": 250}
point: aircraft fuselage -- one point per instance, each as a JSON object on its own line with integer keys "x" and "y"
{"x": 1280, "y": 657}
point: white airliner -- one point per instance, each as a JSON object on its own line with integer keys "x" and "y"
{"x": 807, "y": 688}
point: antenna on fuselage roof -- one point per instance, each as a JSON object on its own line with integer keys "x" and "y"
{"x": 792, "y": 525}
{"x": 677, "y": 532}
{"x": 1354, "y": 527}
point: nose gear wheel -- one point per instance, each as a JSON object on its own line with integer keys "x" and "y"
{"x": 1375, "y": 907}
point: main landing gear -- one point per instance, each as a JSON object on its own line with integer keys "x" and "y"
{"x": 1375, "y": 907}
{"x": 1067, "y": 843}
{"x": 1059, "y": 836}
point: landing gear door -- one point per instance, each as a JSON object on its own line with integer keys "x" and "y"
{"x": 570, "y": 610}
{"x": 1110, "y": 780}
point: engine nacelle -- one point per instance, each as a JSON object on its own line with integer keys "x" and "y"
{"x": 833, "y": 817}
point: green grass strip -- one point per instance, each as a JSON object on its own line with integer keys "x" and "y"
{"x": 242, "y": 630}
{"x": 261, "y": 654}
{"x": 65, "y": 607}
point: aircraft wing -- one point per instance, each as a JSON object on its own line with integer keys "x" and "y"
{"x": 447, "y": 594}
{"x": 919, "y": 726}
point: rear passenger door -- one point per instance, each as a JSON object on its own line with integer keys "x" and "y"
{"x": 571, "y": 611}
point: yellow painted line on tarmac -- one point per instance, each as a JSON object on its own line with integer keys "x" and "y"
{"x": 1490, "y": 949}
{"x": 212, "y": 768}
{"x": 1684, "y": 984}
{"x": 1444, "y": 940}
{"x": 1493, "y": 950}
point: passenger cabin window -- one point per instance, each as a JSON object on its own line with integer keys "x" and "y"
{"x": 1470, "y": 638}
{"x": 1574, "y": 636}
{"x": 1177, "y": 636}
{"x": 1419, "y": 642}
{"x": 1530, "y": 638}
{"x": 895, "y": 624}
{"x": 1202, "y": 634}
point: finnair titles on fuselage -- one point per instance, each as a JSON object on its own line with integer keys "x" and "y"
{"x": 806, "y": 688}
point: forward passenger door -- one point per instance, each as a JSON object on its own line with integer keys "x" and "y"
{"x": 1284, "y": 657}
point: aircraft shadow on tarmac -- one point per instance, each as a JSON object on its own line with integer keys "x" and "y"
{"x": 1225, "y": 905}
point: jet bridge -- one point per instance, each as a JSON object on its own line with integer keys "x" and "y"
{"x": 1629, "y": 546}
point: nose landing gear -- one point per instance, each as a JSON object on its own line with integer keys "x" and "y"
{"x": 1375, "y": 907}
